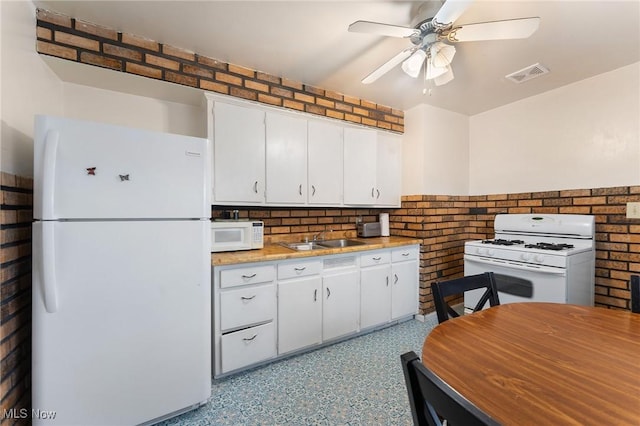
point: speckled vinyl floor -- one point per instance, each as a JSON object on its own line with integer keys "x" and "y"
{"x": 356, "y": 382}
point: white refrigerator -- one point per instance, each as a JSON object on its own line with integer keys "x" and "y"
{"x": 121, "y": 274}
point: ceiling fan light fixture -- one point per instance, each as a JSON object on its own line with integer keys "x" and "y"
{"x": 441, "y": 54}
{"x": 413, "y": 64}
{"x": 433, "y": 72}
{"x": 444, "y": 78}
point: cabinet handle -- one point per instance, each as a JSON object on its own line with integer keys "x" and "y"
{"x": 372, "y": 190}
{"x": 255, "y": 187}
{"x": 387, "y": 280}
{"x": 377, "y": 258}
{"x": 315, "y": 294}
{"x": 378, "y": 196}
{"x": 300, "y": 189}
{"x": 395, "y": 278}
{"x": 248, "y": 339}
{"x": 247, "y": 298}
{"x": 313, "y": 190}
{"x": 405, "y": 254}
{"x": 248, "y": 276}
{"x": 300, "y": 269}
{"x": 328, "y": 292}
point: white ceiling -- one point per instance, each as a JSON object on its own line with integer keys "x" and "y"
{"x": 308, "y": 41}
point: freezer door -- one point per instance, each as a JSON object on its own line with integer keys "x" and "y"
{"x": 128, "y": 338}
{"x": 86, "y": 170}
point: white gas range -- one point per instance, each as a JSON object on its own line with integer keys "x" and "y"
{"x": 536, "y": 258}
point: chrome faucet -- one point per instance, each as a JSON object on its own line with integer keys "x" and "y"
{"x": 317, "y": 236}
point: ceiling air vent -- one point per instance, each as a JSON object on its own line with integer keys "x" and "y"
{"x": 532, "y": 71}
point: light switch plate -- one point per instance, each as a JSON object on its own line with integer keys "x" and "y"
{"x": 633, "y": 210}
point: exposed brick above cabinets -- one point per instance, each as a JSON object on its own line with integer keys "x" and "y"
{"x": 68, "y": 38}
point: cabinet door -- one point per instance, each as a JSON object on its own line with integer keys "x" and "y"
{"x": 299, "y": 313}
{"x": 389, "y": 162}
{"x": 238, "y": 154}
{"x": 340, "y": 305}
{"x": 375, "y": 295}
{"x": 286, "y": 159}
{"x": 325, "y": 165}
{"x": 360, "y": 166}
{"x": 404, "y": 289}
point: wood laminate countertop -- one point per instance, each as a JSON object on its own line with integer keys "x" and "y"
{"x": 276, "y": 251}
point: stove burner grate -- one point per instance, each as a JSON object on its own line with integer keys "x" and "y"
{"x": 549, "y": 246}
{"x": 502, "y": 242}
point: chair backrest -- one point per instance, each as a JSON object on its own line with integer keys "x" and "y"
{"x": 635, "y": 294}
{"x": 431, "y": 398}
{"x": 443, "y": 289}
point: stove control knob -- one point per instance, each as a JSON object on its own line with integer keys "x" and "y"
{"x": 525, "y": 256}
{"x": 481, "y": 251}
{"x": 491, "y": 252}
{"x": 538, "y": 258}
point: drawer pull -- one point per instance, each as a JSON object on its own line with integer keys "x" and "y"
{"x": 247, "y": 298}
{"x": 248, "y": 339}
{"x": 300, "y": 269}
{"x": 405, "y": 254}
{"x": 248, "y": 276}
{"x": 377, "y": 258}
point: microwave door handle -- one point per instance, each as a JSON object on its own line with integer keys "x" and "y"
{"x": 529, "y": 267}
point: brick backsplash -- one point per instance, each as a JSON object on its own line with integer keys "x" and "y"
{"x": 15, "y": 293}
{"x": 75, "y": 40}
{"x": 444, "y": 223}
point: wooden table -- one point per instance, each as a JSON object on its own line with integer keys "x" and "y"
{"x": 543, "y": 363}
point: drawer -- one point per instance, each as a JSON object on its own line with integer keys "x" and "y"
{"x": 247, "y": 305}
{"x": 248, "y": 275}
{"x": 398, "y": 255}
{"x": 248, "y": 346}
{"x": 299, "y": 269}
{"x": 375, "y": 258}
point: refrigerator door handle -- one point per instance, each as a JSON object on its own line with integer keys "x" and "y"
{"x": 49, "y": 172}
{"x": 48, "y": 268}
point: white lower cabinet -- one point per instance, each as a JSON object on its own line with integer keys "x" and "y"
{"x": 404, "y": 282}
{"x": 269, "y": 309}
{"x": 375, "y": 289}
{"x": 340, "y": 307}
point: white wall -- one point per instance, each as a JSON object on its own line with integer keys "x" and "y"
{"x": 435, "y": 152}
{"x": 27, "y": 87}
{"x": 583, "y": 135}
{"x": 89, "y": 103}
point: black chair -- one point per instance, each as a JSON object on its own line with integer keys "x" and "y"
{"x": 444, "y": 289}
{"x": 432, "y": 399}
{"x": 635, "y": 294}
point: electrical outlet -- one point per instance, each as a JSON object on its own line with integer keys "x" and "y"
{"x": 633, "y": 210}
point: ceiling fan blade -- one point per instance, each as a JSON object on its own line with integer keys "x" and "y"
{"x": 382, "y": 29}
{"x": 386, "y": 67}
{"x": 451, "y": 11}
{"x": 496, "y": 30}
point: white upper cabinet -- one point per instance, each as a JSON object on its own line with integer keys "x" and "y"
{"x": 359, "y": 166}
{"x": 389, "y": 170}
{"x": 238, "y": 154}
{"x": 325, "y": 162}
{"x": 286, "y": 148}
{"x": 268, "y": 156}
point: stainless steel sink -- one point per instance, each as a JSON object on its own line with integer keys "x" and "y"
{"x": 340, "y": 243}
{"x": 311, "y": 245}
{"x": 322, "y": 244}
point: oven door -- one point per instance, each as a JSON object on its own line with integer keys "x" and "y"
{"x": 517, "y": 282}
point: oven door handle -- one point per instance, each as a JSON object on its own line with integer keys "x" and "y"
{"x": 523, "y": 267}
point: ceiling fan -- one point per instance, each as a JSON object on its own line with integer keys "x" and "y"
{"x": 432, "y": 35}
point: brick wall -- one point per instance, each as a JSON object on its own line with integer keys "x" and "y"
{"x": 444, "y": 223}
{"x": 15, "y": 293}
{"x": 71, "y": 39}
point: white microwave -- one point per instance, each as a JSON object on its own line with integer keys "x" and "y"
{"x": 232, "y": 235}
